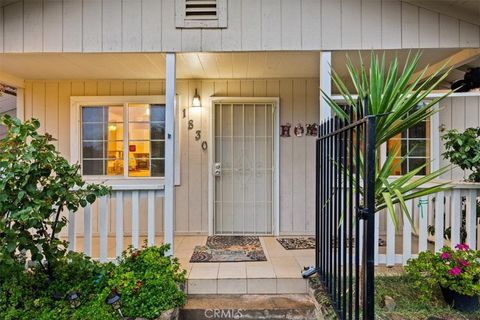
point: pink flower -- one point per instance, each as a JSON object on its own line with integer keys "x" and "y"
{"x": 462, "y": 246}
{"x": 464, "y": 263}
{"x": 455, "y": 271}
{"x": 445, "y": 255}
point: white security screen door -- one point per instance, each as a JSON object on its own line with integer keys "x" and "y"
{"x": 243, "y": 168}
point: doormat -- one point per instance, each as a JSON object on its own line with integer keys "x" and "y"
{"x": 297, "y": 243}
{"x": 229, "y": 249}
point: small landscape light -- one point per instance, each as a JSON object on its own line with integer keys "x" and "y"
{"x": 74, "y": 299}
{"x": 113, "y": 299}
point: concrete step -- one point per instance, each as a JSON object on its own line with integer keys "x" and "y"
{"x": 225, "y": 307}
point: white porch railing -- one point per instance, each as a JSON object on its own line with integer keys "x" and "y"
{"x": 119, "y": 216}
{"x": 442, "y": 212}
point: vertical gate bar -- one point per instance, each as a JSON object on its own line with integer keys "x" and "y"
{"x": 318, "y": 171}
{"x": 323, "y": 203}
{"x": 369, "y": 225}
{"x": 338, "y": 216}
{"x": 334, "y": 213}
{"x": 330, "y": 207}
{"x": 350, "y": 217}
{"x": 243, "y": 164}
{"x": 357, "y": 228}
{"x": 233, "y": 168}
{"x": 345, "y": 219}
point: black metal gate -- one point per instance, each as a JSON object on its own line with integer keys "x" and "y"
{"x": 345, "y": 208}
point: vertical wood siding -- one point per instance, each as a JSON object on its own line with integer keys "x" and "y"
{"x": 49, "y": 101}
{"x": 149, "y": 25}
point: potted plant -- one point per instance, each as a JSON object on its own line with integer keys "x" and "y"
{"x": 455, "y": 271}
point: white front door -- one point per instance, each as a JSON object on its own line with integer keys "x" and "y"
{"x": 243, "y": 167}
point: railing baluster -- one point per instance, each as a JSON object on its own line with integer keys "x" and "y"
{"x": 119, "y": 223}
{"x": 377, "y": 237}
{"x": 390, "y": 238}
{"x": 103, "y": 226}
{"x": 423, "y": 210}
{"x": 456, "y": 218}
{"x": 471, "y": 218}
{"x": 439, "y": 220}
{"x": 151, "y": 217}
{"x": 87, "y": 230}
{"x": 135, "y": 219}
{"x": 72, "y": 232}
{"x": 407, "y": 234}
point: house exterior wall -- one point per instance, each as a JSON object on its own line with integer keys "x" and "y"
{"x": 49, "y": 101}
{"x": 149, "y": 25}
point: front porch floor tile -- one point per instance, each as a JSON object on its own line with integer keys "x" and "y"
{"x": 202, "y": 286}
{"x": 232, "y": 286}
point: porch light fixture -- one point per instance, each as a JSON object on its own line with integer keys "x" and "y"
{"x": 74, "y": 299}
{"x": 196, "y": 100}
{"x": 113, "y": 299}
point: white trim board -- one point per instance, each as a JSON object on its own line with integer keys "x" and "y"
{"x": 276, "y": 155}
{"x": 75, "y": 122}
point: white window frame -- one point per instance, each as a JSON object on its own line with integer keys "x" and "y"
{"x": 76, "y": 104}
{"x": 181, "y": 21}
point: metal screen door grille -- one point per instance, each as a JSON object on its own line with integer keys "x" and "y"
{"x": 244, "y": 149}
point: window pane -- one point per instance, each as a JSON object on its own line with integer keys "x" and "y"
{"x": 157, "y": 112}
{"x": 139, "y": 149}
{"x": 139, "y": 131}
{"x": 138, "y": 112}
{"x": 115, "y": 114}
{"x": 94, "y": 131}
{"x": 115, "y": 131}
{"x": 157, "y": 131}
{"x": 114, "y": 150}
{"x": 139, "y": 167}
{"x": 418, "y": 131}
{"x": 158, "y": 168}
{"x": 92, "y": 114}
{"x": 418, "y": 148}
{"x": 92, "y": 167}
{"x": 115, "y": 167}
{"x": 93, "y": 150}
{"x": 414, "y": 163}
{"x": 158, "y": 149}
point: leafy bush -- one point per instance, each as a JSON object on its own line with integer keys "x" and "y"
{"x": 457, "y": 270}
{"x": 36, "y": 184}
{"x": 148, "y": 281}
{"x": 30, "y": 294}
{"x": 463, "y": 150}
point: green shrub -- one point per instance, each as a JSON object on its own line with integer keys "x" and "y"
{"x": 148, "y": 281}
{"x": 36, "y": 184}
{"x": 463, "y": 150}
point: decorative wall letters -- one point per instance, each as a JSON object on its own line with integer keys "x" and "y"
{"x": 285, "y": 130}
{"x": 310, "y": 129}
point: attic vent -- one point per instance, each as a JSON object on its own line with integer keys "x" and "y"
{"x": 201, "y": 14}
{"x": 201, "y": 9}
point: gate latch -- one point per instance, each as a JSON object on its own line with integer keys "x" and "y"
{"x": 362, "y": 213}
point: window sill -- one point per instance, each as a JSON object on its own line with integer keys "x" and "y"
{"x": 132, "y": 184}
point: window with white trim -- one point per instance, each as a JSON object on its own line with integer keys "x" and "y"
{"x": 123, "y": 140}
{"x": 201, "y": 13}
{"x": 414, "y": 145}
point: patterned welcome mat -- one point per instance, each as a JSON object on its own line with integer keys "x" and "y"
{"x": 297, "y": 243}
{"x": 229, "y": 249}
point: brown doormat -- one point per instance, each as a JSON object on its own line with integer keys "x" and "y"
{"x": 297, "y": 243}
{"x": 229, "y": 249}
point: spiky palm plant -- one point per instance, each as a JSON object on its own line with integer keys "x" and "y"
{"x": 395, "y": 96}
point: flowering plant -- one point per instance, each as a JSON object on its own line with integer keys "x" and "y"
{"x": 456, "y": 269}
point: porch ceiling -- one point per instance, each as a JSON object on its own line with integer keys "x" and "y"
{"x": 152, "y": 66}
